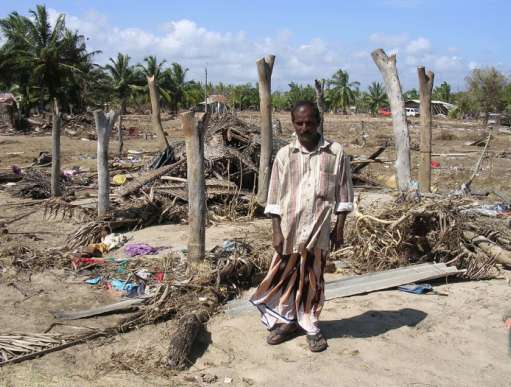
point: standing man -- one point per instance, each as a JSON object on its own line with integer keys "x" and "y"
{"x": 310, "y": 180}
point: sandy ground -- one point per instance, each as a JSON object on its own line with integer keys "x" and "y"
{"x": 381, "y": 339}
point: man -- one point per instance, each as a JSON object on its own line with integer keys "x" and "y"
{"x": 310, "y": 180}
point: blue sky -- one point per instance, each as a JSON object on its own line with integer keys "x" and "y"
{"x": 310, "y": 39}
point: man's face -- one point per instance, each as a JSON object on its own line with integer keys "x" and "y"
{"x": 305, "y": 124}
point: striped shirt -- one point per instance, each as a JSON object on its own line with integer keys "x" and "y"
{"x": 305, "y": 189}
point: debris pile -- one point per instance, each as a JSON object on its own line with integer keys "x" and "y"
{"x": 429, "y": 231}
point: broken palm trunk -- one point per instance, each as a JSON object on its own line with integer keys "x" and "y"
{"x": 55, "y": 150}
{"x": 194, "y": 136}
{"x": 104, "y": 124}
{"x": 265, "y": 69}
{"x": 154, "y": 95}
{"x": 425, "y": 90}
{"x": 387, "y": 66}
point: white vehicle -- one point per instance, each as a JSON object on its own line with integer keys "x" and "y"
{"x": 412, "y": 112}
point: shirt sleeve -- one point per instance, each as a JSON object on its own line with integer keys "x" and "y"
{"x": 272, "y": 203}
{"x": 344, "y": 190}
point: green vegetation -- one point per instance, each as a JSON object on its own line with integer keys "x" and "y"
{"x": 40, "y": 62}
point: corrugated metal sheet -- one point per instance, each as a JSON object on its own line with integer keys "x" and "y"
{"x": 371, "y": 282}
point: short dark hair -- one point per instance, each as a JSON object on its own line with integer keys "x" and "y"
{"x": 298, "y": 105}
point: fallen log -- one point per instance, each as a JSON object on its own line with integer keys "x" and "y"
{"x": 490, "y": 248}
{"x": 9, "y": 177}
{"x": 148, "y": 177}
{"x": 121, "y": 306}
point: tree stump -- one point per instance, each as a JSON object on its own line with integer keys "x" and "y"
{"x": 181, "y": 342}
{"x": 104, "y": 124}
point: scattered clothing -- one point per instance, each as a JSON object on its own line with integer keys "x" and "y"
{"x": 134, "y": 249}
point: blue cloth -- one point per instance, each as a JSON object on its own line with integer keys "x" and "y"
{"x": 416, "y": 288}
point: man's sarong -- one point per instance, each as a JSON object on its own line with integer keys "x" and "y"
{"x": 293, "y": 290}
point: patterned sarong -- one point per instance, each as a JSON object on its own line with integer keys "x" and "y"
{"x": 293, "y": 290}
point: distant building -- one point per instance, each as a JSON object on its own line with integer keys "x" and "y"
{"x": 437, "y": 107}
{"x": 8, "y": 109}
{"x": 217, "y": 103}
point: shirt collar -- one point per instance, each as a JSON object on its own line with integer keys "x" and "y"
{"x": 322, "y": 144}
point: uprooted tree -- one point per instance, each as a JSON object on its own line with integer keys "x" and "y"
{"x": 264, "y": 70}
{"x": 104, "y": 123}
{"x": 387, "y": 66}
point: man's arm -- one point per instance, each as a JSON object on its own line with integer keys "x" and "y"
{"x": 344, "y": 201}
{"x": 337, "y": 235}
{"x": 278, "y": 237}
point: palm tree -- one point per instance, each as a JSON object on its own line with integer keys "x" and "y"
{"x": 376, "y": 97}
{"x": 123, "y": 81}
{"x": 174, "y": 81}
{"x": 341, "y": 94}
{"x": 123, "y": 78}
{"x": 45, "y": 55}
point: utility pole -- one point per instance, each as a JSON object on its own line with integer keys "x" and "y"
{"x": 206, "y": 90}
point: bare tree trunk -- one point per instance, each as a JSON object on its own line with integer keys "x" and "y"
{"x": 104, "y": 125}
{"x": 55, "y": 150}
{"x": 426, "y": 91}
{"x": 194, "y": 136}
{"x": 154, "y": 94}
{"x": 265, "y": 69}
{"x": 119, "y": 134}
{"x": 387, "y": 66}
{"x": 320, "y": 101}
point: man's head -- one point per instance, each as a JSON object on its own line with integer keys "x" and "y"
{"x": 306, "y": 119}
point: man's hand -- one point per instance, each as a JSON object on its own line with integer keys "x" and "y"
{"x": 278, "y": 237}
{"x": 337, "y": 234}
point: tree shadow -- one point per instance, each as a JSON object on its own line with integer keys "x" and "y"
{"x": 371, "y": 323}
{"x": 200, "y": 345}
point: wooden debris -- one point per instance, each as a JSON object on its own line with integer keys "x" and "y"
{"x": 117, "y": 307}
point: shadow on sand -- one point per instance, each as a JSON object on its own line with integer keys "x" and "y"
{"x": 371, "y": 323}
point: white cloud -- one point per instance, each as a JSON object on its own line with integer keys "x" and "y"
{"x": 231, "y": 56}
{"x": 473, "y": 65}
{"x": 418, "y": 45}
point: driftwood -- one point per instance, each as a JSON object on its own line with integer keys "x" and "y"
{"x": 117, "y": 307}
{"x": 265, "y": 69}
{"x": 425, "y": 90}
{"x": 387, "y": 66}
{"x": 490, "y": 248}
